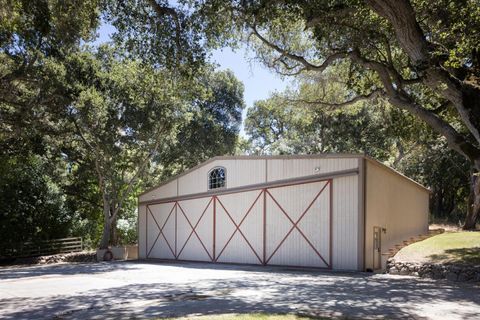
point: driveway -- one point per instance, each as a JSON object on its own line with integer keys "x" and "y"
{"x": 127, "y": 290}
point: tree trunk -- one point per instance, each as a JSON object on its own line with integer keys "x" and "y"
{"x": 107, "y": 225}
{"x": 110, "y": 234}
{"x": 473, "y": 211}
{"x": 113, "y": 232}
{"x": 106, "y": 234}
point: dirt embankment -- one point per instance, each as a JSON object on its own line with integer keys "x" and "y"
{"x": 84, "y": 256}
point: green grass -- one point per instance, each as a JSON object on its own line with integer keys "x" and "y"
{"x": 248, "y": 316}
{"x": 454, "y": 247}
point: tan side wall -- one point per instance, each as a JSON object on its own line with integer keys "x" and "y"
{"x": 393, "y": 202}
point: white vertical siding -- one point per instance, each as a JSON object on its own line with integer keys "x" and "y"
{"x": 302, "y": 247}
{"x": 161, "y": 231}
{"x": 312, "y": 201}
{"x": 195, "y": 181}
{"x": 166, "y": 191}
{"x": 341, "y": 197}
{"x": 246, "y": 248}
{"x": 240, "y": 172}
{"x": 244, "y": 172}
{"x": 198, "y": 245}
{"x": 345, "y": 223}
{"x": 141, "y": 232}
{"x": 279, "y": 169}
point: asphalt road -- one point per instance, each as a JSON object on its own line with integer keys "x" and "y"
{"x": 132, "y": 290}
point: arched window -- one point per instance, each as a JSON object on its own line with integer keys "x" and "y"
{"x": 217, "y": 178}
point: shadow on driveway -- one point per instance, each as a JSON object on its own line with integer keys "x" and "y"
{"x": 184, "y": 289}
{"x": 62, "y": 269}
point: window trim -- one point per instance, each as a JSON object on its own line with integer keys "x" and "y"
{"x": 208, "y": 178}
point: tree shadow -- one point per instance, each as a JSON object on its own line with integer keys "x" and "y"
{"x": 459, "y": 255}
{"x": 186, "y": 265}
{"x": 258, "y": 290}
{"x": 64, "y": 269}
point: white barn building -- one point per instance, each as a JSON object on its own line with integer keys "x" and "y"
{"x": 335, "y": 211}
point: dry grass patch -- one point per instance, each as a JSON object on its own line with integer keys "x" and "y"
{"x": 450, "y": 247}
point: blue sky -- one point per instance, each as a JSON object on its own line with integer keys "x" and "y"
{"x": 258, "y": 80}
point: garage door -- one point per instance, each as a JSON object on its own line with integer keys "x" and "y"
{"x": 287, "y": 225}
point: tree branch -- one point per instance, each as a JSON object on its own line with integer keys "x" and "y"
{"x": 372, "y": 95}
{"x": 407, "y": 30}
{"x": 100, "y": 175}
{"x": 333, "y": 12}
{"x": 80, "y": 133}
{"x": 464, "y": 96}
{"x": 163, "y": 11}
{"x": 399, "y": 98}
{"x": 382, "y": 70}
{"x": 307, "y": 65}
{"x": 455, "y": 140}
{"x": 140, "y": 171}
{"x": 442, "y": 107}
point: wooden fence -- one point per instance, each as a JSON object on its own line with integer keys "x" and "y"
{"x": 46, "y": 247}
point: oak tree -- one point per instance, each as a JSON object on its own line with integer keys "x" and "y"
{"x": 421, "y": 56}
